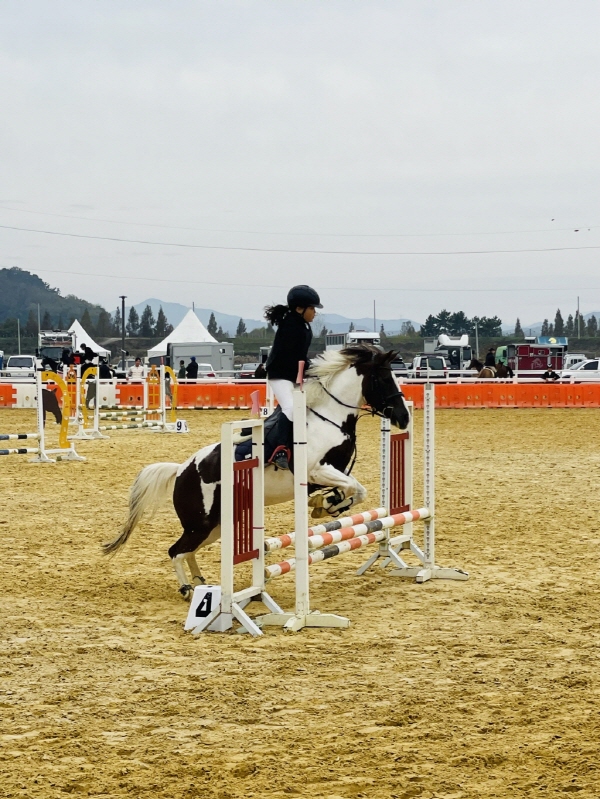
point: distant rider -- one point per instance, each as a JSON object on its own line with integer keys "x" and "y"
{"x": 291, "y": 344}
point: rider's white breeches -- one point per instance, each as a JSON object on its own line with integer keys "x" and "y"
{"x": 284, "y": 394}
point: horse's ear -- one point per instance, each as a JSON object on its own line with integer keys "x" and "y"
{"x": 385, "y": 358}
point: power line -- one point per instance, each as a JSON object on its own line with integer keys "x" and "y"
{"x": 282, "y": 250}
{"x": 289, "y": 233}
{"x": 404, "y": 289}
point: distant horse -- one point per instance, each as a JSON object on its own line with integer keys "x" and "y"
{"x": 489, "y": 372}
{"x": 339, "y": 385}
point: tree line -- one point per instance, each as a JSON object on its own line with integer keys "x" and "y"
{"x": 458, "y": 323}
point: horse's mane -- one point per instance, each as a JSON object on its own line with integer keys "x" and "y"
{"x": 326, "y": 367}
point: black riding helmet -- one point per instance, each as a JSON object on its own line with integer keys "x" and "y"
{"x": 303, "y": 297}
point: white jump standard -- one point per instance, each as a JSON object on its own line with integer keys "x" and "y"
{"x": 66, "y": 451}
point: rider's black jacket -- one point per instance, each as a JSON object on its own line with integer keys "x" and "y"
{"x": 291, "y": 344}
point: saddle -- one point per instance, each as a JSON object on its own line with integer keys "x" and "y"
{"x": 279, "y": 432}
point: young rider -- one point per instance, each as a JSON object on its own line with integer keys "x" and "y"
{"x": 290, "y": 346}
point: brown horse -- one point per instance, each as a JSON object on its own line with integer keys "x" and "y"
{"x": 489, "y": 372}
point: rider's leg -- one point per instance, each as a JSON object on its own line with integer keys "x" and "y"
{"x": 283, "y": 392}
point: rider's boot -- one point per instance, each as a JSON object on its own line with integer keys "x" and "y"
{"x": 282, "y": 454}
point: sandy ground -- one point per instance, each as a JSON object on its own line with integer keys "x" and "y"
{"x": 485, "y": 688}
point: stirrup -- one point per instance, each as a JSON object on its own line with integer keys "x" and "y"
{"x": 280, "y": 458}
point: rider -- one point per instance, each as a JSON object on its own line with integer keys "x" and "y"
{"x": 490, "y": 358}
{"x": 292, "y": 340}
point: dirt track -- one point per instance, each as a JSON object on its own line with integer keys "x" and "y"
{"x": 485, "y": 688}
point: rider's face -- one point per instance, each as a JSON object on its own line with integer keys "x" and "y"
{"x": 308, "y": 314}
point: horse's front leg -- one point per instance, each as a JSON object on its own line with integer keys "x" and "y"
{"x": 345, "y": 489}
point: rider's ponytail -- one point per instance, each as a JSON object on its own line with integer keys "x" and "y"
{"x": 275, "y": 314}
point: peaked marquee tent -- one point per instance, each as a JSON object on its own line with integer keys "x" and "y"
{"x": 81, "y": 337}
{"x": 189, "y": 329}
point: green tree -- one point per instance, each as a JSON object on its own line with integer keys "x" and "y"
{"x": 241, "y": 328}
{"x": 551, "y": 329}
{"x": 444, "y": 321}
{"x": 569, "y": 327}
{"x": 117, "y": 322}
{"x": 578, "y": 325}
{"x": 591, "y": 327}
{"x": 161, "y": 323}
{"x": 133, "y": 322}
{"x": 518, "y": 328}
{"x": 31, "y": 324}
{"x": 147, "y": 322}
{"x": 458, "y": 324}
{"x": 351, "y": 328}
{"x": 407, "y": 329}
{"x": 545, "y": 328}
{"x": 430, "y": 327}
{"x": 46, "y": 321}
{"x": 212, "y": 325}
{"x": 104, "y": 324}
{"x": 86, "y": 322}
{"x": 559, "y": 325}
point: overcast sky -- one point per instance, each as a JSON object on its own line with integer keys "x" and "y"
{"x": 369, "y": 127}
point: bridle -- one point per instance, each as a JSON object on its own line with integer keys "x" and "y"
{"x": 376, "y": 388}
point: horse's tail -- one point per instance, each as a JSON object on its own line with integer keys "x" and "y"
{"x": 152, "y": 486}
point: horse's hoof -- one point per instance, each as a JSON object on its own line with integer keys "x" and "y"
{"x": 316, "y": 501}
{"x": 186, "y": 592}
{"x": 319, "y": 513}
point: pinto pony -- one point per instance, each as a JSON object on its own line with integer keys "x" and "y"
{"x": 339, "y": 385}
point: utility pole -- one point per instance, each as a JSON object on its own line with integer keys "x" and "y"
{"x": 578, "y": 320}
{"x": 476, "y": 341}
{"x": 19, "y": 333}
{"x": 123, "y": 298}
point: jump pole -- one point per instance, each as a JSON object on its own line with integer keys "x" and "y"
{"x": 303, "y": 616}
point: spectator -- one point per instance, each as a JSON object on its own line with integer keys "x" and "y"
{"x": 181, "y": 373}
{"x": 49, "y": 364}
{"x": 87, "y": 354}
{"x": 136, "y": 372}
{"x": 550, "y": 375}
{"x": 191, "y": 370}
{"x": 67, "y": 358}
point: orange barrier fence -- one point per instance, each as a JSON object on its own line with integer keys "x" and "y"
{"x": 447, "y": 395}
{"x": 8, "y": 395}
{"x": 219, "y": 395}
{"x": 509, "y": 395}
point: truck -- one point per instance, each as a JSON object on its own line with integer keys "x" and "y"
{"x": 219, "y": 355}
{"x": 532, "y": 357}
{"x": 51, "y": 343}
{"x": 456, "y": 349}
{"x": 21, "y": 366}
{"x": 338, "y": 341}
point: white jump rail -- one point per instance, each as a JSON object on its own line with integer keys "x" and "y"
{"x": 129, "y": 417}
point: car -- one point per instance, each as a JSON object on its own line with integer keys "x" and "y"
{"x": 21, "y": 366}
{"x": 247, "y": 371}
{"x": 206, "y": 370}
{"x": 398, "y": 365}
{"x": 429, "y": 366}
{"x": 586, "y": 371}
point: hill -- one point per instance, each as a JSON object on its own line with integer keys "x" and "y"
{"x": 175, "y": 312}
{"x": 21, "y": 291}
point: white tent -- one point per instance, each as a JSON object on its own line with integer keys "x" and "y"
{"x": 190, "y": 329}
{"x": 81, "y": 337}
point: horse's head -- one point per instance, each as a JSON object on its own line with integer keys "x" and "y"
{"x": 379, "y": 387}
